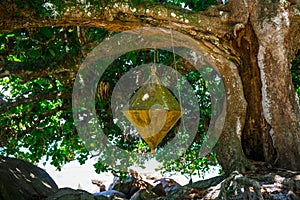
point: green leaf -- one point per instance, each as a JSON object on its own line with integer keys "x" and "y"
{"x": 52, "y": 52}
{"x": 10, "y": 35}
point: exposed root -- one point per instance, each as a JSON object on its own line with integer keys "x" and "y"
{"x": 197, "y": 190}
{"x": 271, "y": 184}
{"x": 261, "y": 186}
{"x": 236, "y": 182}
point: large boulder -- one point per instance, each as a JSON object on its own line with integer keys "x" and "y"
{"x": 168, "y": 184}
{"x": 22, "y": 180}
{"x": 159, "y": 190}
{"x": 144, "y": 194}
{"x": 109, "y": 194}
{"x": 130, "y": 186}
{"x": 71, "y": 194}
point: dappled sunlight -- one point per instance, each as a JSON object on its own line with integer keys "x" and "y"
{"x": 295, "y": 70}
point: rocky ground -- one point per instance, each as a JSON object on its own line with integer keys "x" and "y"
{"x": 21, "y": 180}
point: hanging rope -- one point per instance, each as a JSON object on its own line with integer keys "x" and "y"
{"x": 174, "y": 56}
{"x": 175, "y": 65}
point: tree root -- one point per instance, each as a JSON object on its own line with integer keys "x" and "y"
{"x": 272, "y": 184}
{"x": 199, "y": 186}
{"x": 261, "y": 186}
{"x": 231, "y": 185}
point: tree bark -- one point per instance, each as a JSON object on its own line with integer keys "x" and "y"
{"x": 256, "y": 140}
{"x": 280, "y": 106}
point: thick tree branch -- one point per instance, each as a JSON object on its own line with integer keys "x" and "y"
{"x": 117, "y": 17}
{"x": 63, "y": 70}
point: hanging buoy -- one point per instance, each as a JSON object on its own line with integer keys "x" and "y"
{"x": 153, "y": 111}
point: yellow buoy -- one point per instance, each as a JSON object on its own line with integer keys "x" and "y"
{"x": 153, "y": 111}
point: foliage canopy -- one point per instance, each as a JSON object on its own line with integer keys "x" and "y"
{"x": 36, "y": 113}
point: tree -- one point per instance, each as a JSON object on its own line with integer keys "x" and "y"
{"x": 250, "y": 43}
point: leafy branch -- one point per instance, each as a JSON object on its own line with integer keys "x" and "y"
{"x": 4, "y": 107}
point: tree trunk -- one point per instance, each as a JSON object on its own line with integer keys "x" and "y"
{"x": 271, "y": 129}
{"x": 256, "y": 140}
{"x": 280, "y": 105}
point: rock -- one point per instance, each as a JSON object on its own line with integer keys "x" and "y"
{"x": 159, "y": 190}
{"x": 116, "y": 180}
{"x": 134, "y": 174}
{"x": 109, "y": 194}
{"x": 22, "y": 180}
{"x": 144, "y": 194}
{"x": 102, "y": 198}
{"x": 194, "y": 194}
{"x": 131, "y": 186}
{"x": 297, "y": 181}
{"x": 71, "y": 194}
{"x": 168, "y": 184}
